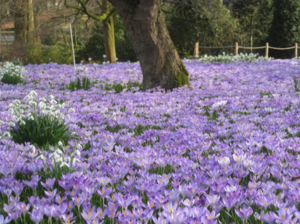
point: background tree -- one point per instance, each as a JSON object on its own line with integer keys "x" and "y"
{"x": 207, "y": 22}
{"x": 255, "y": 17}
{"x": 285, "y": 29}
{"x": 106, "y": 16}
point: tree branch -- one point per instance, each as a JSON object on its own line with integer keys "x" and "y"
{"x": 83, "y": 9}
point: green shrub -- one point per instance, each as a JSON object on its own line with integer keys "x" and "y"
{"x": 38, "y": 54}
{"x": 12, "y": 74}
{"x": 85, "y": 84}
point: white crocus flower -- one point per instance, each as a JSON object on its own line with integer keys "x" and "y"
{"x": 239, "y": 158}
{"x": 248, "y": 163}
{"x": 230, "y": 189}
{"x": 224, "y": 162}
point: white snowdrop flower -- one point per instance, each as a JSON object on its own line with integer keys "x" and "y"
{"x": 75, "y": 160}
{"x": 63, "y": 105}
{"x": 53, "y": 101}
{"x": 77, "y": 152}
{"x": 59, "y": 152}
{"x": 219, "y": 104}
{"x": 32, "y": 147}
{"x": 78, "y": 146}
{"x": 11, "y": 110}
{"x": 64, "y": 164}
{"x": 42, "y": 105}
{"x": 32, "y": 92}
{"x": 31, "y": 118}
{"x": 42, "y": 99}
{"x": 12, "y": 124}
{"x": 41, "y": 157}
{"x": 71, "y": 110}
{"x": 6, "y": 134}
{"x": 224, "y": 162}
{"x": 239, "y": 158}
{"x": 60, "y": 143}
{"x": 22, "y": 123}
{"x": 31, "y": 102}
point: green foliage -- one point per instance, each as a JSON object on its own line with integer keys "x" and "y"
{"x": 285, "y": 28}
{"x": 38, "y": 54}
{"x": 296, "y": 84}
{"x": 191, "y": 21}
{"x": 85, "y": 84}
{"x": 17, "y": 62}
{"x": 41, "y": 131}
{"x": 95, "y": 46}
{"x": 119, "y": 87}
{"x": 255, "y": 18}
{"x": 11, "y": 79}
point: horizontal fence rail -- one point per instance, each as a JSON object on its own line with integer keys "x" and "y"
{"x": 237, "y": 47}
{"x": 6, "y": 39}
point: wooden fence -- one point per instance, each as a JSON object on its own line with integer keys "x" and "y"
{"x": 237, "y": 47}
{"x": 6, "y": 39}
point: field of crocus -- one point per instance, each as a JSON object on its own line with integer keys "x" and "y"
{"x": 224, "y": 150}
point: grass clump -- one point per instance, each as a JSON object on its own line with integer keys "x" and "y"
{"x": 85, "y": 84}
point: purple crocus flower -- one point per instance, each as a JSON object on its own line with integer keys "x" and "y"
{"x": 4, "y": 221}
{"x": 284, "y": 215}
{"x": 160, "y": 220}
{"x": 34, "y": 181}
{"x": 49, "y": 183}
{"x": 36, "y": 215}
{"x": 89, "y": 215}
{"x": 244, "y": 212}
{"x": 210, "y": 218}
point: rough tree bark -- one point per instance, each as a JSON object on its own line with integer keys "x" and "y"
{"x": 19, "y": 20}
{"x": 30, "y": 21}
{"x": 146, "y": 27}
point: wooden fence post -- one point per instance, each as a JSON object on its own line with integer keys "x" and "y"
{"x": 196, "y": 51}
{"x": 236, "y": 51}
{"x": 296, "y": 51}
{"x": 267, "y": 50}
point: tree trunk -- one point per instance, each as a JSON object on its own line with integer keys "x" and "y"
{"x": 30, "y": 22}
{"x": 109, "y": 35}
{"x": 146, "y": 27}
{"x": 110, "y": 44}
{"x": 19, "y": 20}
